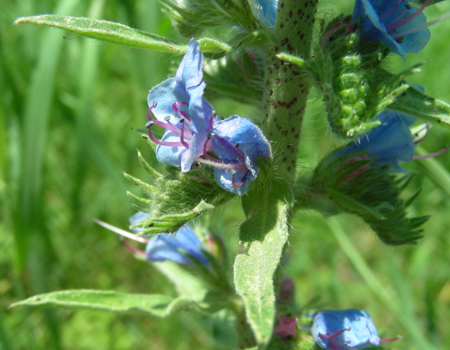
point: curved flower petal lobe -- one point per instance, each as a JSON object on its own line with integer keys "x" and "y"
{"x": 392, "y": 22}
{"x": 238, "y": 142}
{"x": 177, "y": 105}
{"x": 390, "y": 142}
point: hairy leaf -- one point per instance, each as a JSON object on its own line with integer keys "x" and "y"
{"x": 121, "y": 34}
{"x": 264, "y": 235}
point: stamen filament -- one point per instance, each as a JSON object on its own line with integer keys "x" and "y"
{"x": 184, "y": 143}
{"x": 179, "y": 111}
{"x": 390, "y": 340}
{"x": 431, "y": 155}
{"x": 230, "y": 148}
{"x": 133, "y": 249}
{"x": 240, "y": 183}
{"x": 332, "y": 336}
{"x": 163, "y": 143}
{"x": 391, "y": 10}
{"x": 394, "y": 26}
{"x": 423, "y": 26}
{"x": 168, "y": 125}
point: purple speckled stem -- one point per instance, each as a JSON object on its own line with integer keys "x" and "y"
{"x": 287, "y": 86}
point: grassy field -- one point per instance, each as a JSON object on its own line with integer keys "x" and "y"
{"x": 67, "y": 109}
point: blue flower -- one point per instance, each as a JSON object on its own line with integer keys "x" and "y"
{"x": 393, "y": 22}
{"x": 345, "y": 329}
{"x": 193, "y": 133}
{"x": 266, "y": 11}
{"x": 389, "y": 142}
{"x": 179, "y": 107}
{"x": 163, "y": 247}
{"x": 237, "y": 142}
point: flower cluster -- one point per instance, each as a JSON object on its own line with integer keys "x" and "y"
{"x": 194, "y": 133}
{"x": 397, "y": 24}
{"x": 345, "y": 330}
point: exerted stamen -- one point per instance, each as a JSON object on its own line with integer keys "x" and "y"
{"x": 423, "y": 26}
{"x": 431, "y": 155}
{"x": 230, "y": 148}
{"x": 332, "y": 336}
{"x": 163, "y": 143}
{"x": 167, "y": 125}
{"x": 391, "y": 10}
{"x": 240, "y": 183}
{"x": 206, "y": 147}
{"x": 179, "y": 111}
{"x": 348, "y": 27}
{"x": 133, "y": 249}
{"x": 390, "y": 340}
{"x": 394, "y": 25}
{"x": 185, "y": 144}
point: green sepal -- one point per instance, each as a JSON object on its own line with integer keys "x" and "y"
{"x": 416, "y": 103}
{"x": 175, "y": 197}
{"x": 354, "y": 184}
{"x": 263, "y": 236}
{"x": 122, "y": 34}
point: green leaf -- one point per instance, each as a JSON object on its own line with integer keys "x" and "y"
{"x": 121, "y": 34}
{"x": 156, "y": 305}
{"x": 185, "y": 283}
{"x": 422, "y": 106}
{"x": 265, "y": 233}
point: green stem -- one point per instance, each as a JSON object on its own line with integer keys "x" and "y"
{"x": 287, "y": 87}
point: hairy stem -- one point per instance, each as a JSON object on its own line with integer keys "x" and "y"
{"x": 287, "y": 87}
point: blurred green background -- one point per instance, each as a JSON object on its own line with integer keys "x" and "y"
{"x": 67, "y": 108}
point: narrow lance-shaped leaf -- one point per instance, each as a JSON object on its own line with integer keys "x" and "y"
{"x": 420, "y": 105}
{"x": 156, "y": 305}
{"x": 121, "y": 34}
{"x": 264, "y": 235}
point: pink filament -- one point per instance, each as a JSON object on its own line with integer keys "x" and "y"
{"x": 163, "y": 143}
{"x": 389, "y": 340}
{"x": 179, "y": 111}
{"x": 184, "y": 143}
{"x": 388, "y": 13}
{"x": 237, "y": 152}
{"x": 240, "y": 183}
{"x": 431, "y": 155}
{"x": 133, "y": 249}
{"x": 168, "y": 126}
{"x": 394, "y": 26}
{"x": 348, "y": 27}
{"x": 332, "y": 336}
